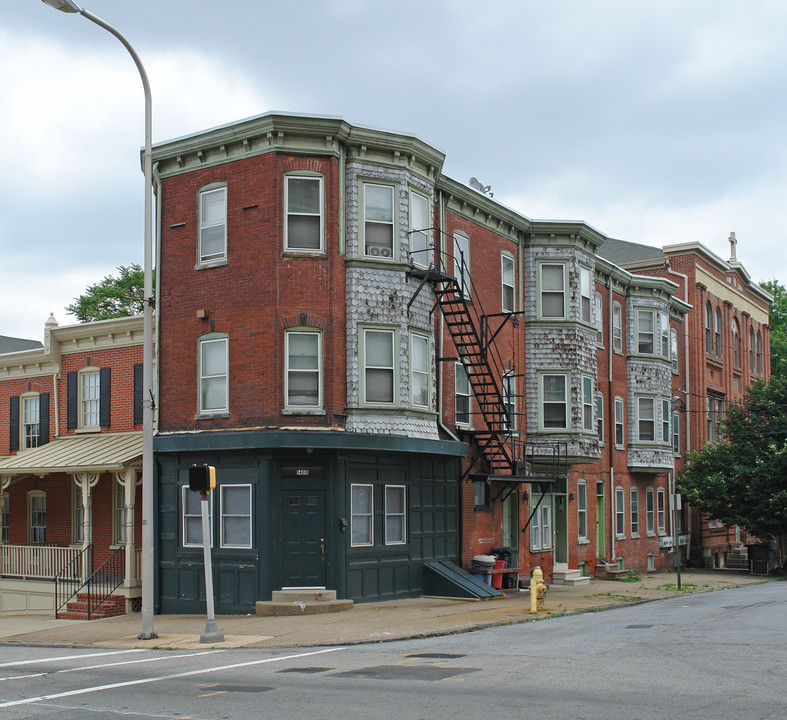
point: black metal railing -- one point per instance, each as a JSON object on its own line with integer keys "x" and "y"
{"x": 68, "y": 579}
{"x": 98, "y": 587}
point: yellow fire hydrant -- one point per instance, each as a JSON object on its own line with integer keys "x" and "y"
{"x": 538, "y": 590}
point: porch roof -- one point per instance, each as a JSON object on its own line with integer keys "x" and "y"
{"x": 102, "y": 452}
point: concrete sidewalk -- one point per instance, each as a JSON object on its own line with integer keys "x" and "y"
{"x": 365, "y": 623}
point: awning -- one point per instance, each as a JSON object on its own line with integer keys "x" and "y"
{"x": 101, "y": 452}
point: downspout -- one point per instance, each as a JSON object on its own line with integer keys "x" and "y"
{"x": 612, "y": 499}
{"x": 156, "y": 384}
{"x": 611, "y": 405}
{"x": 57, "y": 414}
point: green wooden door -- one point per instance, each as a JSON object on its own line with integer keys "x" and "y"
{"x": 302, "y": 538}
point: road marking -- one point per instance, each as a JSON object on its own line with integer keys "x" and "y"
{"x": 70, "y": 657}
{"x": 218, "y": 692}
{"x": 173, "y": 676}
{"x": 135, "y": 662}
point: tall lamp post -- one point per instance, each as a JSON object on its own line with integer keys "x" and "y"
{"x": 147, "y": 632}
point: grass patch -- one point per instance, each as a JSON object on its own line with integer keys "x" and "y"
{"x": 684, "y": 588}
{"x": 620, "y": 597}
{"x": 631, "y": 577}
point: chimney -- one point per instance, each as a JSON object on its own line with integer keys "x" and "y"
{"x": 733, "y": 243}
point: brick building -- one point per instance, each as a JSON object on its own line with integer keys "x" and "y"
{"x": 70, "y": 451}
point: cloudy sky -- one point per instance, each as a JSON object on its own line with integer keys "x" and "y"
{"x": 659, "y": 123}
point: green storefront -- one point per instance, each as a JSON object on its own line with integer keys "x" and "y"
{"x": 359, "y": 514}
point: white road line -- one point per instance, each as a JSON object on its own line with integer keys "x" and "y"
{"x": 70, "y": 657}
{"x": 128, "y": 683}
{"x": 133, "y": 662}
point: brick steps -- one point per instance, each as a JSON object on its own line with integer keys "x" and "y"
{"x": 77, "y": 609}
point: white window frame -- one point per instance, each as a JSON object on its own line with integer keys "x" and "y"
{"x": 390, "y": 370}
{"x": 620, "y": 423}
{"x": 186, "y": 492}
{"x": 600, "y": 416}
{"x": 30, "y": 421}
{"x": 291, "y": 372}
{"x": 643, "y": 343}
{"x": 462, "y": 389}
{"x": 420, "y": 375}
{"x": 397, "y": 515}
{"x": 666, "y": 427}
{"x": 541, "y": 527}
{"x": 674, "y": 351}
{"x": 634, "y": 511}
{"x": 675, "y": 434}
{"x": 585, "y": 295}
{"x": 650, "y": 512}
{"x": 643, "y": 416}
{"x": 367, "y": 517}
{"x": 587, "y": 403}
{"x": 5, "y": 517}
{"x": 598, "y": 317}
{"x": 462, "y": 262}
{"x": 617, "y": 327}
{"x": 665, "y": 337}
{"x": 36, "y": 531}
{"x": 210, "y": 225}
{"x": 89, "y": 398}
{"x": 661, "y": 512}
{"x": 554, "y": 402}
{"x": 509, "y": 400}
{"x": 420, "y": 233}
{"x": 78, "y": 516}
{"x": 552, "y": 291}
{"x": 118, "y": 513}
{"x": 717, "y": 329}
{"x": 508, "y": 292}
{"x": 620, "y": 513}
{"x": 319, "y": 214}
{"x": 224, "y": 516}
{"x": 379, "y": 252}
{"x": 205, "y": 378}
{"x": 582, "y": 511}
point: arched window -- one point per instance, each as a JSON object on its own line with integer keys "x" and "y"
{"x": 759, "y": 353}
{"x": 736, "y": 343}
{"x": 708, "y": 328}
{"x": 717, "y": 328}
{"x": 752, "y": 357}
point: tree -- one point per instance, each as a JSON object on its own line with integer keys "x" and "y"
{"x": 113, "y": 297}
{"x": 743, "y": 480}
{"x": 778, "y": 322}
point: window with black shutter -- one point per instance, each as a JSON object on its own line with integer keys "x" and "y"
{"x": 105, "y": 397}
{"x": 72, "y": 382}
{"x": 137, "y": 394}
{"x": 13, "y": 418}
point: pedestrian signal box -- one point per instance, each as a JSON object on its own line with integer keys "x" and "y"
{"x": 202, "y": 478}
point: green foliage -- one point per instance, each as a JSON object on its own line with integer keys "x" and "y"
{"x": 111, "y": 298}
{"x": 778, "y": 323}
{"x": 743, "y": 480}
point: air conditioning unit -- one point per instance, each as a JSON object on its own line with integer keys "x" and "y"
{"x": 379, "y": 251}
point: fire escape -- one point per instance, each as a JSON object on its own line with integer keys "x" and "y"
{"x": 504, "y": 456}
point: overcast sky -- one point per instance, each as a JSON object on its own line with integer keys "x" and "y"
{"x": 658, "y": 123}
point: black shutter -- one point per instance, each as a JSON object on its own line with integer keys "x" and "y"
{"x": 137, "y": 394}
{"x": 105, "y": 395}
{"x": 13, "y": 415}
{"x": 43, "y": 418}
{"x": 71, "y": 400}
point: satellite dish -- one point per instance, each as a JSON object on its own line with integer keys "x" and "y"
{"x": 476, "y": 184}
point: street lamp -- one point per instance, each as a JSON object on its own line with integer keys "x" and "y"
{"x": 147, "y": 631}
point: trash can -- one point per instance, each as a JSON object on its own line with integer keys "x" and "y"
{"x": 759, "y": 559}
{"x": 497, "y": 579}
{"x": 509, "y": 555}
{"x": 483, "y": 562}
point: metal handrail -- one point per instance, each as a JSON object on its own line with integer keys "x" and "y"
{"x": 68, "y": 580}
{"x": 98, "y": 587}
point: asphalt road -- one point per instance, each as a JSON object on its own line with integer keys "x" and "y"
{"x": 712, "y": 655}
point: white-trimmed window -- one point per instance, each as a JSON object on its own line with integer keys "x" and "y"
{"x": 759, "y": 352}
{"x": 584, "y": 294}
{"x": 645, "y": 329}
{"x": 661, "y": 512}
{"x": 620, "y": 422}
{"x": 31, "y": 418}
{"x": 378, "y": 221}
{"x": 89, "y": 398}
{"x": 362, "y": 515}
{"x": 600, "y": 416}
{"x": 507, "y": 282}
{"x": 715, "y": 415}
{"x": 717, "y": 331}
{"x": 646, "y": 419}
{"x": 395, "y": 515}
{"x": 303, "y": 199}
{"x": 541, "y": 527}
{"x": 235, "y": 516}
{"x": 665, "y": 338}
{"x": 673, "y": 336}
{"x": 212, "y": 224}
{"x": 554, "y": 401}
{"x": 598, "y": 318}
{"x": 620, "y": 513}
{"x": 634, "y": 511}
{"x": 708, "y": 328}
{"x": 420, "y": 230}
{"x": 419, "y": 370}
{"x": 36, "y": 517}
{"x": 666, "y": 431}
{"x": 213, "y": 375}
{"x": 5, "y": 515}
{"x": 582, "y": 511}
{"x": 676, "y": 433}
{"x": 553, "y": 290}
{"x": 736, "y": 342}
{"x": 509, "y": 400}
{"x": 191, "y": 517}
{"x": 303, "y": 371}
{"x": 650, "y": 512}
{"x": 77, "y": 516}
{"x": 752, "y": 351}
{"x": 461, "y": 395}
{"x": 462, "y": 262}
{"x": 617, "y": 327}
{"x": 118, "y": 513}
{"x": 587, "y": 403}
{"x": 378, "y": 367}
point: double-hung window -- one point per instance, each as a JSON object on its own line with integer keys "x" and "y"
{"x": 617, "y": 327}
{"x": 619, "y": 422}
{"x": 420, "y": 231}
{"x": 587, "y": 403}
{"x": 541, "y": 528}
{"x": 666, "y": 433}
{"x": 665, "y": 339}
{"x": 419, "y": 371}
{"x": 235, "y": 516}
{"x": 395, "y": 515}
{"x": 30, "y": 421}
{"x": 598, "y": 318}
{"x": 462, "y": 262}
{"x": 36, "y": 517}
{"x": 304, "y": 213}
{"x": 302, "y": 377}
{"x": 5, "y": 515}
{"x": 582, "y": 511}
{"x": 554, "y": 401}
{"x": 213, "y": 375}
{"x": 553, "y": 291}
{"x": 361, "y": 515}
{"x": 752, "y": 351}
{"x": 379, "y": 369}
{"x": 212, "y": 224}
{"x": 118, "y": 513}
{"x": 736, "y": 343}
{"x": 461, "y": 395}
{"x": 507, "y": 282}
{"x": 600, "y": 416}
{"x": 509, "y": 400}
{"x": 584, "y": 293}
{"x": 717, "y": 331}
{"x": 645, "y": 329}
{"x": 661, "y": 512}
{"x": 674, "y": 350}
{"x": 191, "y": 517}
{"x": 620, "y": 513}
{"x": 90, "y": 398}
{"x": 676, "y": 433}
{"x": 646, "y": 419}
{"x": 650, "y": 517}
{"x": 708, "y": 328}
{"x": 634, "y": 511}
{"x": 759, "y": 352}
{"x": 378, "y": 209}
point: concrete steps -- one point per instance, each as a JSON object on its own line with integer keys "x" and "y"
{"x": 569, "y": 577}
{"x": 737, "y": 559}
{"x": 301, "y": 601}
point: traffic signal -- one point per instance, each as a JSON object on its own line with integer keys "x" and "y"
{"x": 202, "y": 478}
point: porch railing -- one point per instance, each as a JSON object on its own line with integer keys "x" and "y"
{"x": 97, "y": 588}
{"x": 38, "y": 562}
